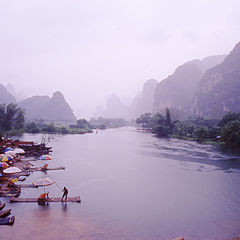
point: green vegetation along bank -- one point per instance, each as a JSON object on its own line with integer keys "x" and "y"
{"x": 225, "y": 130}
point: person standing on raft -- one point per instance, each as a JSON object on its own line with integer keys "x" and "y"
{"x": 65, "y": 193}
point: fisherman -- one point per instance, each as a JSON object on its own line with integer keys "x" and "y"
{"x": 42, "y": 198}
{"x": 65, "y": 193}
{"x": 44, "y": 195}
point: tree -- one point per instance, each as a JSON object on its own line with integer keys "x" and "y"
{"x": 162, "y": 130}
{"x": 201, "y": 133}
{"x": 83, "y": 123}
{"x": 228, "y": 117}
{"x": 179, "y": 129}
{"x": 32, "y": 128}
{"x": 231, "y": 133}
{"x": 168, "y": 118}
{"x": 144, "y": 120}
{"x": 11, "y": 118}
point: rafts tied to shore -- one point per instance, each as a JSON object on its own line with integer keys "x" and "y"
{"x": 16, "y": 164}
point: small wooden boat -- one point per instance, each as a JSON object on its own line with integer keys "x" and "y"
{"x": 10, "y": 195}
{"x": 7, "y": 220}
{"x": 5, "y": 213}
{"x": 2, "y": 206}
{"x": 44, "y": 169}
{"x": 21, "y": 178}
{"x": 26, "y": 186}
{"x": 17, "y": 175}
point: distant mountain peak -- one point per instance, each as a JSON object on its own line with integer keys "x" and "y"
{"x": 5, "y": 96}
{"x": 219, "y": 89}
{"x": 177, "y": 90}
{"x": 54, "y": 109}
{"x": 57, "y": 94}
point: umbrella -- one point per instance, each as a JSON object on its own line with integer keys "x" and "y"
{"x": 45, "y": 157}
{"x": 3, "y": 165}
{"x": 43, "y": 182}
{"x": 11, "y": 153}
{"x": 8, "y": 149}
{"x": 5, "y": 157}
{"x": 12, "y": 170}
{"x": 19, "y": 151}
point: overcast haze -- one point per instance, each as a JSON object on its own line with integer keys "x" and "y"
{"x": 90, "y": 49}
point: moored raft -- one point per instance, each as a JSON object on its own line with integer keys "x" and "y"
{"x": 26, "y": 186}
{"x": 44, "y": 169}
{"x": 7, "y": 220}
{"x": 5, "y": 213}
{"x": 2, "y": 206}
{"x": 69, "y": 199}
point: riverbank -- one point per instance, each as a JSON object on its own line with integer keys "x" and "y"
{"x": 211, "y": 141}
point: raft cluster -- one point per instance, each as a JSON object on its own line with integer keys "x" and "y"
{"x": 15, "y": 166}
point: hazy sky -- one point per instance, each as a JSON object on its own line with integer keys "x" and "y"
{"x": 90, "y": 49}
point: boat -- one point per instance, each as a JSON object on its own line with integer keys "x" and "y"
{"x": 44, "y": 169}
{"x": 2, "y": 206}
{"x": 10, "y": 195}
{"x": 5, "y": 213}
{"x": 7, "y": 220}
{"x": 21, "y": 178}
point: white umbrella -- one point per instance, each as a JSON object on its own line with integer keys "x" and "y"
{"x": 43, "y": 182}
{"x": 11, "y": 153}
{"x": 12, "y": 170}
{"x": 19, "y": 151}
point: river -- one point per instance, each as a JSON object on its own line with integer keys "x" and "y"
{"x": 133, "y": 186}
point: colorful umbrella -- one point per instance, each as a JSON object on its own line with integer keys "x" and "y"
{"x": 19, "y": 151}
{"x": 12, "y": 170}
{"x": 8, "y": 149}
{"x": 13, "y": 180}
{"x": 3, "y": 165}
{"x": 45, "y": 157}
{"x": 11, "y": 153}
{"x": 5, "y": 157}
{"x": 43, "y": 182}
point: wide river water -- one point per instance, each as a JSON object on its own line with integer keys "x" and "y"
{"x": 133, "y": 186}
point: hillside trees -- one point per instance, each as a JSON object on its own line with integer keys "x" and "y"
{"x": 11, "y": 118}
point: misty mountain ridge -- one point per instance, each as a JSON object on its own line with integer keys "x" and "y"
{"x": 5, "y": 96}
{"x": 207, "y": 87}
{"x": 52, "y": 109}
{"x": 219, "y": 90}
{"x": 18, "y": 95}
{"x": 114, "y": 108}
{"x": 144, "y": 100}
{"x": 178, "y": 90}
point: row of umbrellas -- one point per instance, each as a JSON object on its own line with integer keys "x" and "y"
{"x": 15, "y": 151}
{"x": 6, "y": 157}
{"x": 10, "y": 153}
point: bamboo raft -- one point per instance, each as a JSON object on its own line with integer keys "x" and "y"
{"x": 42, "y": 169}
{"x": 26, "y": 186}
{"x": 70, "y": 199}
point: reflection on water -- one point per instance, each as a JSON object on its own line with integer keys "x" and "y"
{"x": 194, "y": 152}
{"x": 133, "y": 186}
